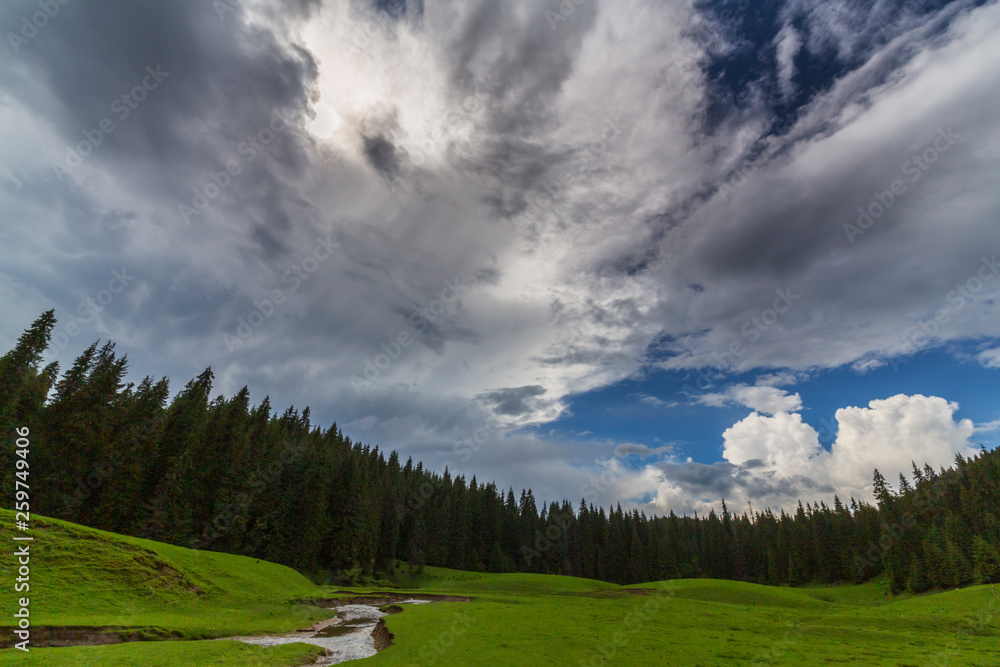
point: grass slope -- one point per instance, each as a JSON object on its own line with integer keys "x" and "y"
{"x": 166, "y": 654}
{"x": 519, "y": 619}
{"x": 86, "y": 577}
{"x": 82, "y": 576}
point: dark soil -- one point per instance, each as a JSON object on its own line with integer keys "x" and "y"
{"x": 383, "y": 638}
{"x": 76, "y": 635}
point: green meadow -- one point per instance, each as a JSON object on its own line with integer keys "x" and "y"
{"x": 520, "y": 619}
{"x": 85, "y": 577}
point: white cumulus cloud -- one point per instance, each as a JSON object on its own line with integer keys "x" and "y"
{"x": 775, "y": 461}
{"x": 892, "y": 432}
{"x": 783, "y": 442}
{"x": 770, "y": 400}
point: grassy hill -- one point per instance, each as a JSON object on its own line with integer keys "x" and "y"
{"x": 520, "y": 619}
{"x": 86, "y": 577}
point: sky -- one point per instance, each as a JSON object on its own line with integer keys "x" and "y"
{"x": 655, "y": 253}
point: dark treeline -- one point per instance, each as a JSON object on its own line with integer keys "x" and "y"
{"x": 221, "y": 474}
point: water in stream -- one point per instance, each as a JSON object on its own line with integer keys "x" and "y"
{"x": 347, "y": 637}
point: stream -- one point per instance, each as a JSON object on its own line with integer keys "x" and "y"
{"x": 348, "y": 636}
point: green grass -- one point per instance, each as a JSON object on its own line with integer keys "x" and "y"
{"x": 167, "y": 654}
{"x": 536, "y": 620}
{"x": 445, "y": 581}
{"x": 86, "y": 577}
{"x": 82, "y": 576}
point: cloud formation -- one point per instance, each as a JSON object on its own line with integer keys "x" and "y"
{"x": 777, "y": 460}
{"x": 989, "y": 358}
{"x": 481, "y": 213}
{"x": 770, "y": 400}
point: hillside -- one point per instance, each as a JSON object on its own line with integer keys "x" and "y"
{"x": 86, "y": 578}
{"x": 93, "y": 578}
{"x": 520, "y": 619}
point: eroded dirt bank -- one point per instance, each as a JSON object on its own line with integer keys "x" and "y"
{"x": 80, "y": 635}
{"x": 382, "y": 636}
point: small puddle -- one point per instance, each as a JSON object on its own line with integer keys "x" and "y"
{"x": 346, "y": 637}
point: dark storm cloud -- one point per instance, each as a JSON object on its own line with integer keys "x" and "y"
{"x": 173, "y": 82}
{"x": 316, "y": 266}
{"x": 570, "y": 357}
{"x": 769, "y": 228}
{"x": 725, "y": 480}
{"x": 144, "y": 104}
{"x": 512, "y": 401}
{"x": 523, "y": 58}
{"x": 406, "y": 283}
{"x": 400, "y": 8}
{"x": 95, "y": 52}
{"x": 515, "y": 167}
{"x": 381, "y": 154}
